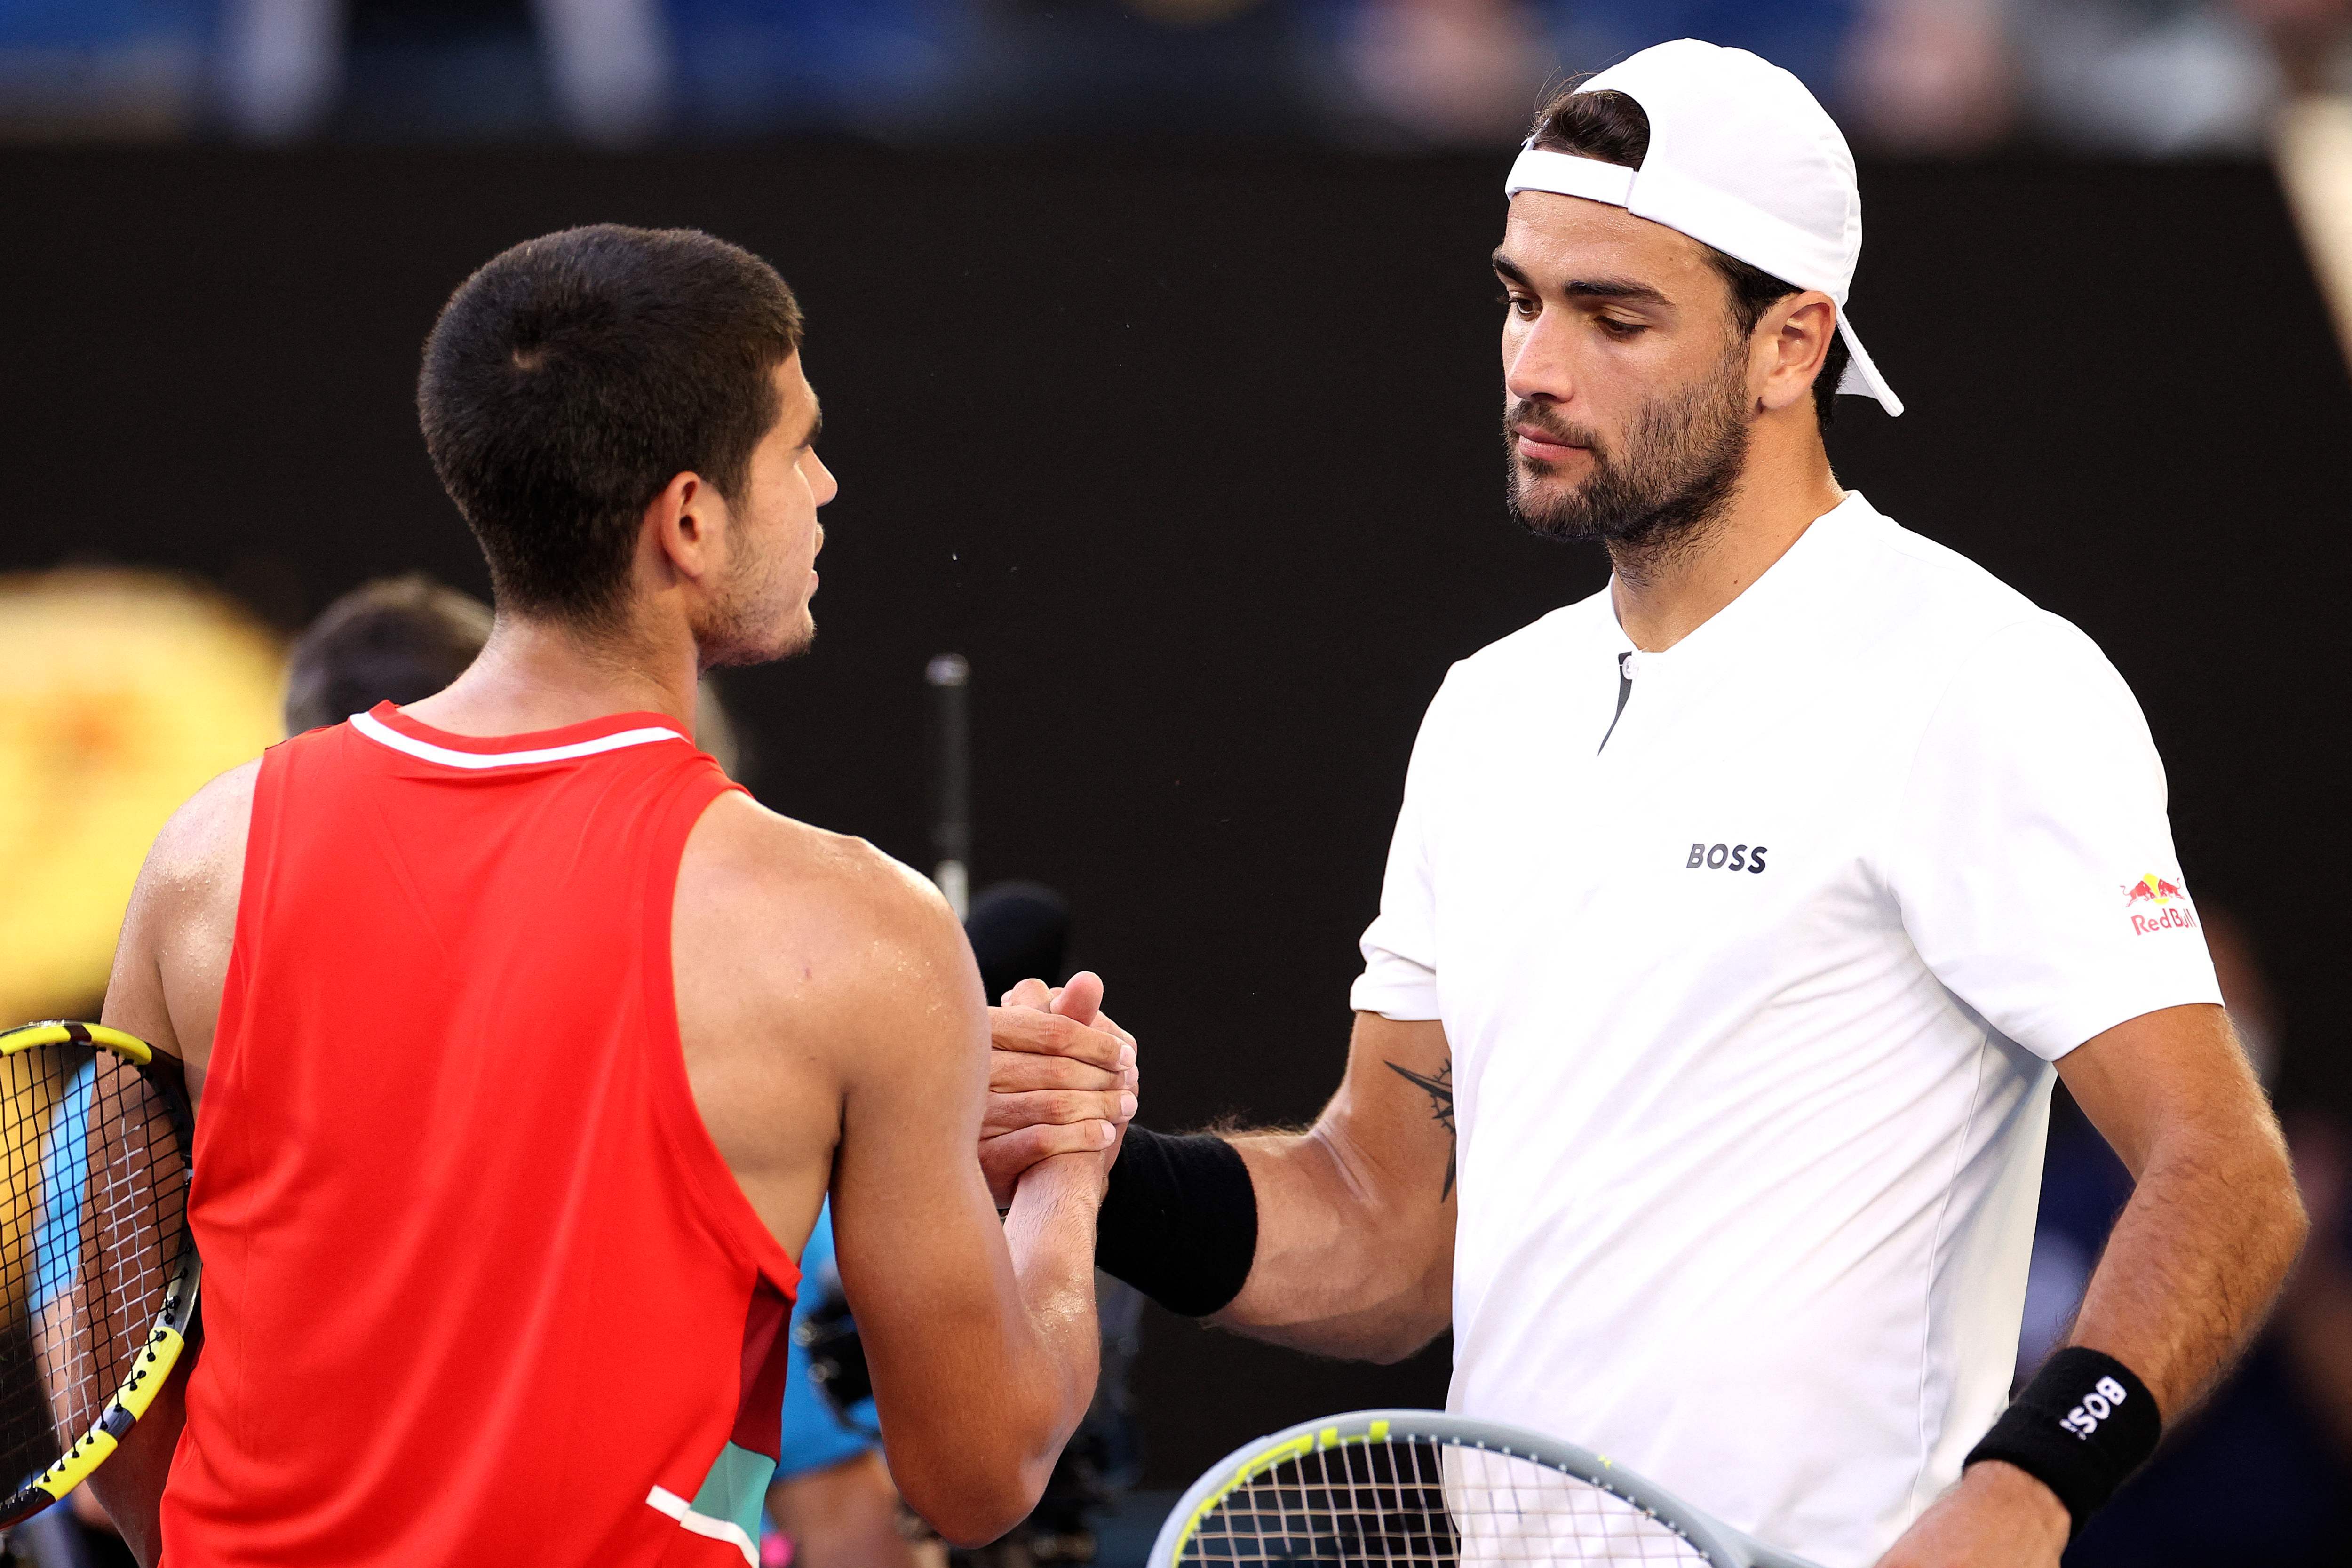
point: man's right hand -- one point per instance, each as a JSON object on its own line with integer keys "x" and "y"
{"x": 1060, "y": 1073}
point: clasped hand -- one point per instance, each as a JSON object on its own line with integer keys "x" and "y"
{"x": 1062, "y": 1079}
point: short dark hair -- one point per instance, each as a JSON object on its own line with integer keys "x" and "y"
{"x": 574, "y": 375}
{"x": 397, "y": 639}
{"x": 1612, "y": 128}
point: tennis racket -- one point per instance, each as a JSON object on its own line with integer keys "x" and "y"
{"x": 97, "y": 1274}
{"x": 1420, "y": 1489}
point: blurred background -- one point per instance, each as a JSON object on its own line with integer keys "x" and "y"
{"x": 2145, "y": 77}
{"x": 1157, "y": 344}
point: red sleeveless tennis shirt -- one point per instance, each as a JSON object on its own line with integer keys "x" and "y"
{"x": 479, "y": 1288}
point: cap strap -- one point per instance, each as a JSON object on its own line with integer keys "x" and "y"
{"x": 1862, "y": 374}
{"x": 1565, "y": 174}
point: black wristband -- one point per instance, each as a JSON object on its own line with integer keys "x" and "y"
{"x": 1179, "y": 1220}
{"x": 2081, "y": 1428}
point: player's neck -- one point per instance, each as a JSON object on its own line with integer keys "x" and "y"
{"x": 535, "y": 675}
{"x": 1665, "y": 592}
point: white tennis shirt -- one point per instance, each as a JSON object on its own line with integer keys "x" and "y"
{"x": 1752, "y": 1011}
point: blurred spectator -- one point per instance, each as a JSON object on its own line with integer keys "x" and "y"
{"x": 104, "y": 67}
{"x": 445, "y": 68}
{"x": 610, "y": 62}
{"x": 401, "y": 639}
{"x": 2147, "y": 78}
{"x": 2262, "y": 1472}
{"x": 1470, "y": 71}
{"x": 879, "y": 66}
{"x": 280, "y": 65}
{"x": 2310, "y": 41}
{"x": 1929, "y": 76}
{"x": 1806, "y": 36}
{"x": 2151, "y": 76}
{"x": 398, "y": 639}
{"x": 1146, "y": 67}
{"x": 1448, "y": 70}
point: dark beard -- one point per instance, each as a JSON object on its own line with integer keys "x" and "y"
{"x": 1682, "y": 461}
{"x": 738, "y": 631}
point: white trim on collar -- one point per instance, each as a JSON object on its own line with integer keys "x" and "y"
{"x": 377, "y": 729}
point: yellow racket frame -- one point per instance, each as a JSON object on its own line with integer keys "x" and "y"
{"x": 1711, "y": 1540}
{"x": 1296, "y": 1448}
{"x": 152, "y": 1367}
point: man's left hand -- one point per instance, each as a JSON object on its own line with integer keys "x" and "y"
{"x": 1998, "y": 1517}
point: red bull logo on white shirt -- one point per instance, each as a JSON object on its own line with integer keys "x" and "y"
{"x": 2167, "y": 907}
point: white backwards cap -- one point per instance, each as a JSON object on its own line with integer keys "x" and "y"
{"x": 1741, "y": 157}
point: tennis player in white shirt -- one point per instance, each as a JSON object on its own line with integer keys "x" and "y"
{"x": 1735, "y": 921}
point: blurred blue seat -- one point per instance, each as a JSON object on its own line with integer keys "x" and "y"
{"x": 101, "y": 23}
{"x": 1807, "y": 36}
{"x": 131, "y": 66}
{"x": 752, "y": 66}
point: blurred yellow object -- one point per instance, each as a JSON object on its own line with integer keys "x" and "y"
{"x": 120, "y": 694}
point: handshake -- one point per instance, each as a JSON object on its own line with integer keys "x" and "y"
{"x": 1062, "y": 1080}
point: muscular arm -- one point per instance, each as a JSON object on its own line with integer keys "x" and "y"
{"x": 2198, "y": 1255}
{"x": 981, "y": 1338}
{"x": 1355, "y": 1214}
{"x": 2190, "y": 1271}
{"x": 169, "y": 968}
{"x": 1355, "y": 1229}
{"x": 835, "y": 1036}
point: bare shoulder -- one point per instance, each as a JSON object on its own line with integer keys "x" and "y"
{"x": 172, "y": 962}
{"x": 206, "y": 837}
{"x": 196, "y": 868}
{"x": 820, "y": 921}
{"x": 772, "y": 867}
{"x": 812, "y": 973}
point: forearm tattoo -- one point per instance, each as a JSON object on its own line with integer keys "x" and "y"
{"x": 1440, "y": 1091}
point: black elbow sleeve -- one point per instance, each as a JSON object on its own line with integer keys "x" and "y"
{"x": 1179, "y": 1221}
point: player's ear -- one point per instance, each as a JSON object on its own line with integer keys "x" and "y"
{"x": 685, "y": 523}
{"x": 1790, "y": 343}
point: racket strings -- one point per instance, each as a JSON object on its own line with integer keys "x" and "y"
{"x": 93, "y": 1228}
{"x": 1416, "y": 1502}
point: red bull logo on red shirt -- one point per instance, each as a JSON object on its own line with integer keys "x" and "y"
{"x": 2166, "y": 905}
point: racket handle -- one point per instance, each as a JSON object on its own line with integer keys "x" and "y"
{"x": 949, "y": 676}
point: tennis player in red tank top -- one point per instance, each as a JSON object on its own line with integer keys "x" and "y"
{"x": 525, "y": 1046}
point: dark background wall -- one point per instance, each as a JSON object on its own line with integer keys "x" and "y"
{"x": 1194, "y": 454}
